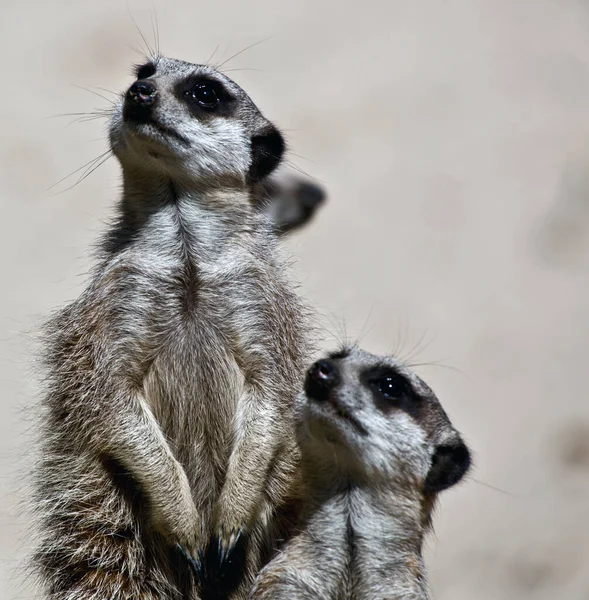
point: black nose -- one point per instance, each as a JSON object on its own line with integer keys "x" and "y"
{"x": 142, "y": 93}
{"x": 310, "y": 195}
{"x": 321, "y": 379}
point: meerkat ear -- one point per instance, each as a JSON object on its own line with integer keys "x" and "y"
{"x": 449, "y": 465}
{"x": 267, "y": 150}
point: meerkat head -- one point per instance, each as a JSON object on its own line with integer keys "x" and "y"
{"x": 193, "y": 124}
{"x": 376, "y": 419}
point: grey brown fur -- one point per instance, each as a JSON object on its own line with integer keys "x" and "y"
{"x": 167, "y": 418}
{"x": 372, "y": 466}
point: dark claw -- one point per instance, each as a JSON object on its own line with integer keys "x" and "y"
{"x": 223, "y": 567}
{"x": 220, "y": 553}
{"x": 195, "y": 566}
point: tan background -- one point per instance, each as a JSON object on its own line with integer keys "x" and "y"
{"x": 453, "y": 137}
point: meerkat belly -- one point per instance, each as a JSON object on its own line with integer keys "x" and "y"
{"x": 193, "y": 388}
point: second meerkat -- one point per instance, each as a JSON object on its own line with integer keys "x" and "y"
{"x": 171, "y": 378}
{"x": 377, "y": 448}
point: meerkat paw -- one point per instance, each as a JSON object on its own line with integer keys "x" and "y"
{"x": 228, "y": 544}
{"x": 188, "y": 547}
{"x": 233, "y": 523}
{"x": 195, "y": 563}
{"x": 223, "y": 563}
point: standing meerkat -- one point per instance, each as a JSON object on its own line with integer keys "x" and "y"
{"x": 376, "y": 449}
{"x": 167, "y": 427}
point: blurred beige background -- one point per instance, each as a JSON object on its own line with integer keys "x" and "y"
{"x": 453, "y": 138}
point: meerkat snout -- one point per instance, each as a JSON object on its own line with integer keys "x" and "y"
{"x": 139, "y": 99}
{"x": 312, "y": 194}
{"x": 320, "y": 380}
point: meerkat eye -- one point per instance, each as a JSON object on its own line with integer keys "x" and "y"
{"x": 393, "y": 391}
{"x": 391, "y": 386}
{"x": 204, "y": 94}
{"x": 145, "y": 71}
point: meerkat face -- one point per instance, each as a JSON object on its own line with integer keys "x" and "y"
{"x": 376, "y": 417}
{"x": 194, "y": 123}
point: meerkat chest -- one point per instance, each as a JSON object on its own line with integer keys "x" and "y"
{"x": 207, "y": 299}
{"x": 354, "y": 540}
{"x": 386, "y": 562}
{"x": 200, "y": 325}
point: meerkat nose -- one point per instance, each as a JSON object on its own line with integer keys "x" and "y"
{"x": 142, "y": 93}
{"x": 311, "y": 195}
{"x": 321, "y": 379}
{"x": 140, "y": 102}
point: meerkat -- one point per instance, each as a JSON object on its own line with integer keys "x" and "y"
{"x": 167, "y": 420}
{"x": 377, "y": 448}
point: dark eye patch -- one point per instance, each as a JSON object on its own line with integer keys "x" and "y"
{"x": 392, "y": 390}
{"x": 392, "y": 386}
{"x": 145, "y": 71}
{"x": 205, "y": 96}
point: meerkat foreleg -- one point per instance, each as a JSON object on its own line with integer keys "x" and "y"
{"x": 135, "y": 440}
{"x": 242, "y": 497}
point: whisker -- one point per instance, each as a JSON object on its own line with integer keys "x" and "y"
{"x": 208, "y": 62}
{"x": 345, "y": 331}
{"x": 302, "y": 172}
{"x": 150, "y": 51}
{"x": 403, "y": 338}
{"x": 139, "y": 51}
{"x": 395, "y": 350}
{"x": 242, "y": 51}
{"x": 89, "y": 118}
{"x": 88, "y": 172}
{"x": 341, "y": 330}
{"x": 363, "y": 331}
{"x": 155, "y": 30}
{"x": 84, "y": 117}
{"x": 435, "y": 363}
{"x": 416, "y": 349}
{"x": 85, "y": 166}
{"x": 116, "y": 94}
{"x": 496, "y": 489}
{"x": 302, "y": 157}
{"x": 86, "y": 120}
{"x": 97, "y": 113}
{"x": 243, "y": 69}
{"x": 336, "y": 328}
{"x": 91, "y": 91}
{"x": 330, "y": 333}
